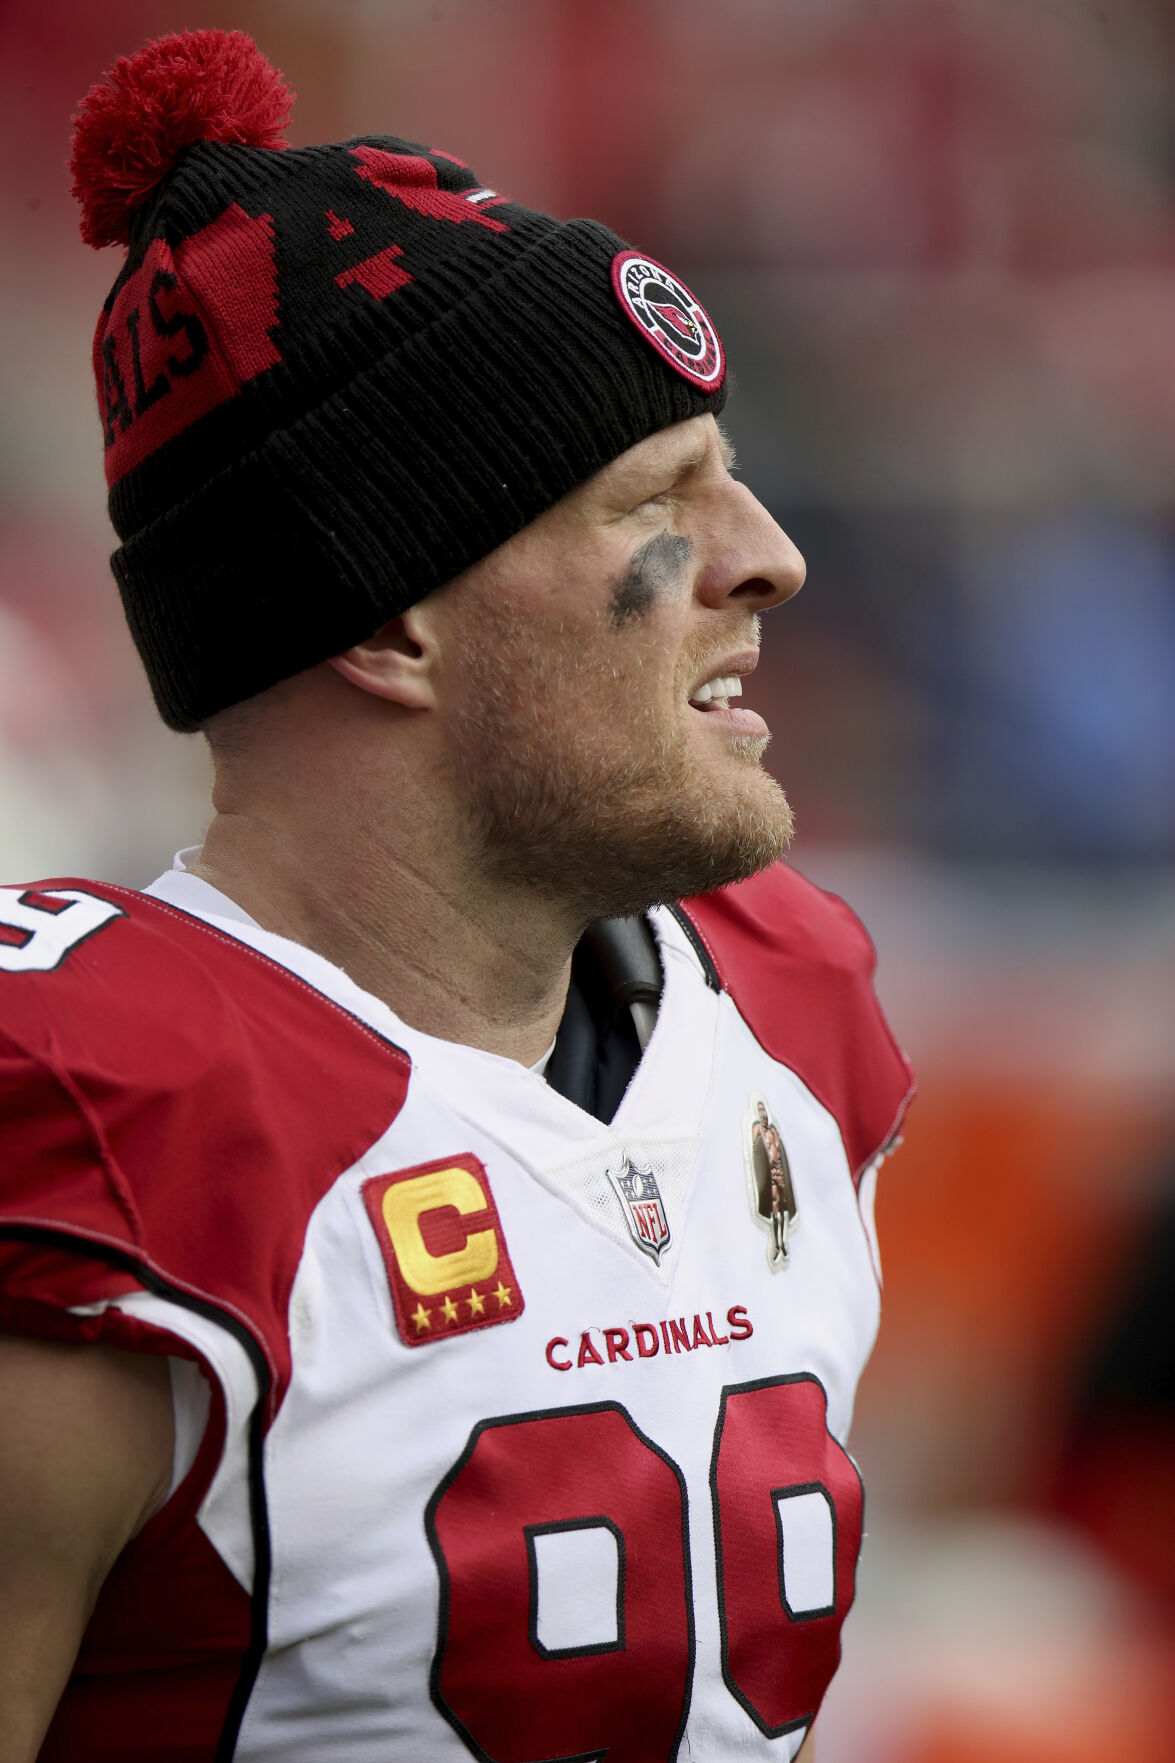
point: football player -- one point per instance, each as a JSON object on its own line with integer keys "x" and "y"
{"x": 354, "y": 1407}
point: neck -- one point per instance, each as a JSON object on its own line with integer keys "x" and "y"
{"x": 488, "y": 973}
{"x": 373, "y": 875}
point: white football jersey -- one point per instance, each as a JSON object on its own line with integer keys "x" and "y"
{"x": 527, "y": 1437}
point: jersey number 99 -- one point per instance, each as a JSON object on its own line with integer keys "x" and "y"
{"x": 566, "y": 1615}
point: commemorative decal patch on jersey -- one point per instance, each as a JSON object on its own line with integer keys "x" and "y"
{"x": 769, "y": 1179}
{"x": 667, "y": 316}
{"x": 446, "y": 1257}
{"x": 643, "y": 1207}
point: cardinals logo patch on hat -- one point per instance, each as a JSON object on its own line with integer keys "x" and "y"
{"x": 668, "y": 316}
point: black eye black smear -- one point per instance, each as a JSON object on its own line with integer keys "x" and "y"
{"x": 654, "y": 568}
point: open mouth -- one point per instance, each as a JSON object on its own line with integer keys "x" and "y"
{"x": 717, "y": 693}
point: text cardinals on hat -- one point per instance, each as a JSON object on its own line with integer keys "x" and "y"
{"x": 330, "y": 378}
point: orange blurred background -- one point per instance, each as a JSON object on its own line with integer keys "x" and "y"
{"x": 938, "y": 237}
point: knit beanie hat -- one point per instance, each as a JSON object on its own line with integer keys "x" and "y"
{"x": 331, "y": 378}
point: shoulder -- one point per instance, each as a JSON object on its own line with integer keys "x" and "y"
{"x": 154, "y": 1071}
{"x": 798, "y": 965}
{"x": 89, "y": 970}
{"x": 780, "y": 918}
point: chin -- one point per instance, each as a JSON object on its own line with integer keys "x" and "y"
{"x": 690, "y": 847}
{"x": 613, "y": 833}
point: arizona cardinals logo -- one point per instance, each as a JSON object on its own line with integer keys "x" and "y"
{"x": 668, "y": 317}
{"x": 679, "y": 320}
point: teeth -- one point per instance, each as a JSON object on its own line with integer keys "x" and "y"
{"x": 726, "y": 687}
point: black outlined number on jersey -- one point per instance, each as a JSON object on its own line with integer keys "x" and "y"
{"x": 785, "y": 1493}
{"x": 38, "y": 930}
{"x": 562, "y": 1544}
{"x": 566, "y": 1623}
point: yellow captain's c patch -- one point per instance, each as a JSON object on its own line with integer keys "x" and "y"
{"x": 403, "y": 1205}
{"x": 441, "y": 1238}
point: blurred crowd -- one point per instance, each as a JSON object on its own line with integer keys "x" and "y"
{"x": 938, "y": 237}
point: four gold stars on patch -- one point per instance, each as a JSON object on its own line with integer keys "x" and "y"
{"x": 449, "y": 1310}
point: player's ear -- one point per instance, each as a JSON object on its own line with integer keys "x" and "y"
{"x": 398, "y": 663}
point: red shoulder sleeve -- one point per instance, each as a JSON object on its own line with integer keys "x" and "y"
{"x": 170, "y": 1106}
{"x": 173, "y": 1106}
{"x": 799, "y": 966}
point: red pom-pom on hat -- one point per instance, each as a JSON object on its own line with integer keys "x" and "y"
{"x": 193, "y": 86}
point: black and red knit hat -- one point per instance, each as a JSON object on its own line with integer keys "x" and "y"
{"x": 331, "y": 378}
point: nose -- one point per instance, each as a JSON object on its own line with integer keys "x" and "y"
{"x": 754, "y": 564}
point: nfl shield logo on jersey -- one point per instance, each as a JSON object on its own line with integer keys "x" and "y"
{"x": 644, "y": 1211}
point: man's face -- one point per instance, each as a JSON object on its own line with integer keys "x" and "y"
{"x": 593, "y": 762}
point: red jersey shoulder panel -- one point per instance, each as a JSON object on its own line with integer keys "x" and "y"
{"x": 171, "y": 1099}
{"x": 799, "y": 966}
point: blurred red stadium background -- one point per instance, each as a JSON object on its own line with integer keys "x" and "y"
{"x": 939, "y": 239}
